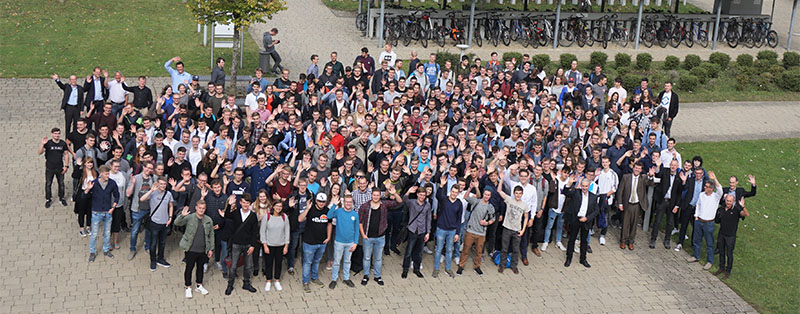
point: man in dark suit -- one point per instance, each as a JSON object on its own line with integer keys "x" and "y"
{"x": 666, "y": 196}
{"x": 632, "y": 200}
{"x": 668, "y": 100}
{"x": 579, "y": 216}
{"x": 96, "y": 92}
{"x": 72, "y": 102}
{"x": 739, "y": 192}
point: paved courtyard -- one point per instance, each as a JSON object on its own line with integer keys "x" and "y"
{"x": 45, "y": 267}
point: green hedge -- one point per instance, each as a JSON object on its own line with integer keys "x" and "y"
{"x": 672, "y": 63}
{"x": 691, "y": 61}
{"x": 768, "y": 55}
{"x": 712, "y": 69}
{"x": 701, "y": 74}
{"x": 630, "y": 82}
{"x": 622, "y": 60}
{"x": 541, "y": 60}
{"x": 643, "y": 61}
{"x": 598, "y": 57}
{"x": 791, "y": 59}
{"x": 790, "y": 80}
{"x": 454, "y": 58}
{"x": 744, "y": 60}
{"x": 721, "y": 59}
{"x": 688, "y": 82}
{"x": 507, "y": 56}
{"x": 566, "y": 59}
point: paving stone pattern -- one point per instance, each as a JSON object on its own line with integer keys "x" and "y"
{"x": 45, "y": 268}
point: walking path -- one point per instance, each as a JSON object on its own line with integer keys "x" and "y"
{"x": 44, "y": 269}
{"x": 322, "y": 32}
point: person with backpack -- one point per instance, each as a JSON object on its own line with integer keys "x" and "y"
{"x": 197, "y": 244}
{"x": 275, "y": 235}
{"x": 482, "y": 215}
{"x": 140, "y": 184}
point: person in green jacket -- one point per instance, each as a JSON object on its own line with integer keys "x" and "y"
{"x": 197, "y": 242}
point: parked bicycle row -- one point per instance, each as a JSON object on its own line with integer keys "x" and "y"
{"x": 534, "y": 30}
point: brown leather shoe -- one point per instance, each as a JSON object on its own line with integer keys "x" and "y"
{"x": 716, "y": 273}
{"x": 525, "y": 261}
{"x": 726, "y": 275}
{"x": 622, "y": 246}
{"x": 537, "y": 252}
{"x": 630, "y": 246}
{"x": 500, "y": 269}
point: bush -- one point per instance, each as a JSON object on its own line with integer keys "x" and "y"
{"x": 764, "y": 81}
{"x": 621, "y": 71}
{"x": 768, "y": 55}
{"x": 691, "y": 61}
{"x": 630, "y": 82}
{"x": 507, "y": 56}
{"x": 598, "y": 57}
{"x": 744, "y": 60}
{"x": 688, "y": 82}
{"x": 565, "y": 60}
{"x": 454, "y": 58}
{"x": 643, "y": 61}
{"x": 791, "y": 59}
{"x": 790, "y": 80}
{"x": 701, "y": 74}
{"x": 623, "y": 60}
{"x": 711, "y": 68}
{"x": 721, "y": 59}
{"x": 541, "y": 60}
{"x": 672, "y": 63}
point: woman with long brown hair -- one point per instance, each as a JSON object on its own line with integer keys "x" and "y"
{"x": 275, "y": 235}
{"x": 83, "y": 205}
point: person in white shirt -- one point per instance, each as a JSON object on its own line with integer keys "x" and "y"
{"x": 251, "y": 101}
{"x": 388, "y": 55}
{"x": 195, "y": 154}
{"x": 118, "y": 215}
{"x": 607, "y": 182}
{"x": 623, "y": 94}
{"x": 670, "y": 153}
{"x": 704, "y": 214}
{"x": 203, "y": 134}
{"x": 116, "y": 94}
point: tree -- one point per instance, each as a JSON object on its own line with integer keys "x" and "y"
{"x": 242, "y": 13}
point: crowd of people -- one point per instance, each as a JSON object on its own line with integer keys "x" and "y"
{"x": 347, "y": 163}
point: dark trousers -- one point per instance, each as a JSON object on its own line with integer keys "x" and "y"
{"x": 272, "y": 262}
{"x": 511, "y": 241}
{"x": 236, "y": 251}
{"x": 413, "y": 251}
{"x": 725, "y": 244}
{"x": 662, "y": 209}
{"x": 158, "y": 238}
{"x": 393, "y": 219}
{"x": 687, "y": 217}
{"x": 603, "y": 199}
{"x": 491, "y": 238}
{"x": 83, "y": 207}
{"x": 117, "y": 217}
{"x": 294, "y": 241}
{"x": 71, "y": 116}
{"x": 194, "y": 260}
{"x": 48, "y": 183}
{"x": 667, "y": 126}
{"x": 277, "y": 67}
{"x": 577, "y": 227}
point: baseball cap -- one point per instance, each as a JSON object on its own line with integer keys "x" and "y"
{"x": 571, "y": 80}
{"x": 195, "y": 78}
{"x": 322, "y": 197}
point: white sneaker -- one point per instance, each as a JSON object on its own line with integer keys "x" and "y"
{"x": 686, "y": 237}
{"x": 455, "y": 260}
{"x": 441, "y": 259}
{"x": 674, "y": 231}
{"x": 427, "y": 250}
{"x": 544, "y": 246}
{"x": 412, "y": 266}
{"x": 602, "y": 240}
{"x": 268, "y": 286}
{"x": 678, "y": 248}
{"x": 278, "y": 286}
{"x": 205, "y": 268}
{"x": 201, "y": 289}
{"x": 561, "y": 246}
{"x": 188, "y": 293}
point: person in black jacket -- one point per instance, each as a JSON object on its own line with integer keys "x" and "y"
{"x": 243, "y": 225}
{"x": 668, "y": 100}
{"x": 215, "y": 208}
{"x": 96, "y": 92}
{"x": 578, "y": 217}
{"x": 72, "y": 102}
{"x": 738, "y": 192}
{"x": 666, "y": 196}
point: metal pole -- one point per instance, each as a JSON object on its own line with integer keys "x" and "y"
{"x": 472, "y": 21}
{"x": 638, "y": 26}
{"x": 212, "y": 45}
{"x": 525, "y": 6}
{"x": 676, "y": 6}
{"x": 205, "y": 35}
{"x": 716, "y": 25}
{"x": 602, "y": 6}
{"x": 380, "y": 27}
{"x": 557, "y": 26}
{"x": 791, "y": 26}
{"x": 359, "y": 6}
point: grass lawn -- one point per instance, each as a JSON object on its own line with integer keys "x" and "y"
{"x": 41, "y": 37}
{"x": 352, "y": 5}
{"x": 766, "y": 256}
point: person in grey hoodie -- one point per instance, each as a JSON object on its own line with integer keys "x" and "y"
{"x": 482, "y": 215}
{"x": 274, "y": 233}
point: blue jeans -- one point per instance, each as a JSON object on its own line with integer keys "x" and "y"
{"x": 702, "y": 230}
{"x": 373, "y": 247}
{"x": 443, "y": 238}
{"x": 105, "y": 218}
{"x": 461, "y": 232}
{"x": 312, "y": 253}
{"x": 223, "y": 251}
{"x": 558, "y": 220}
{"x": 294, "y": 240}
{"x": 136, "y": 223}
{"x": 341, "y": 250}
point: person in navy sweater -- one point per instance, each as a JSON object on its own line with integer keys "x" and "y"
{"x": 448, "y": 223}
{"x": 105, "y": 196}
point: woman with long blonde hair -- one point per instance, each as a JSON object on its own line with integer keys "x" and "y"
{"x": 83, "y": 205}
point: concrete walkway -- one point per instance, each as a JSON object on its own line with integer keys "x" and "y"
{"x": 44, "y": 268}
{"x": 312, "y": 28}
